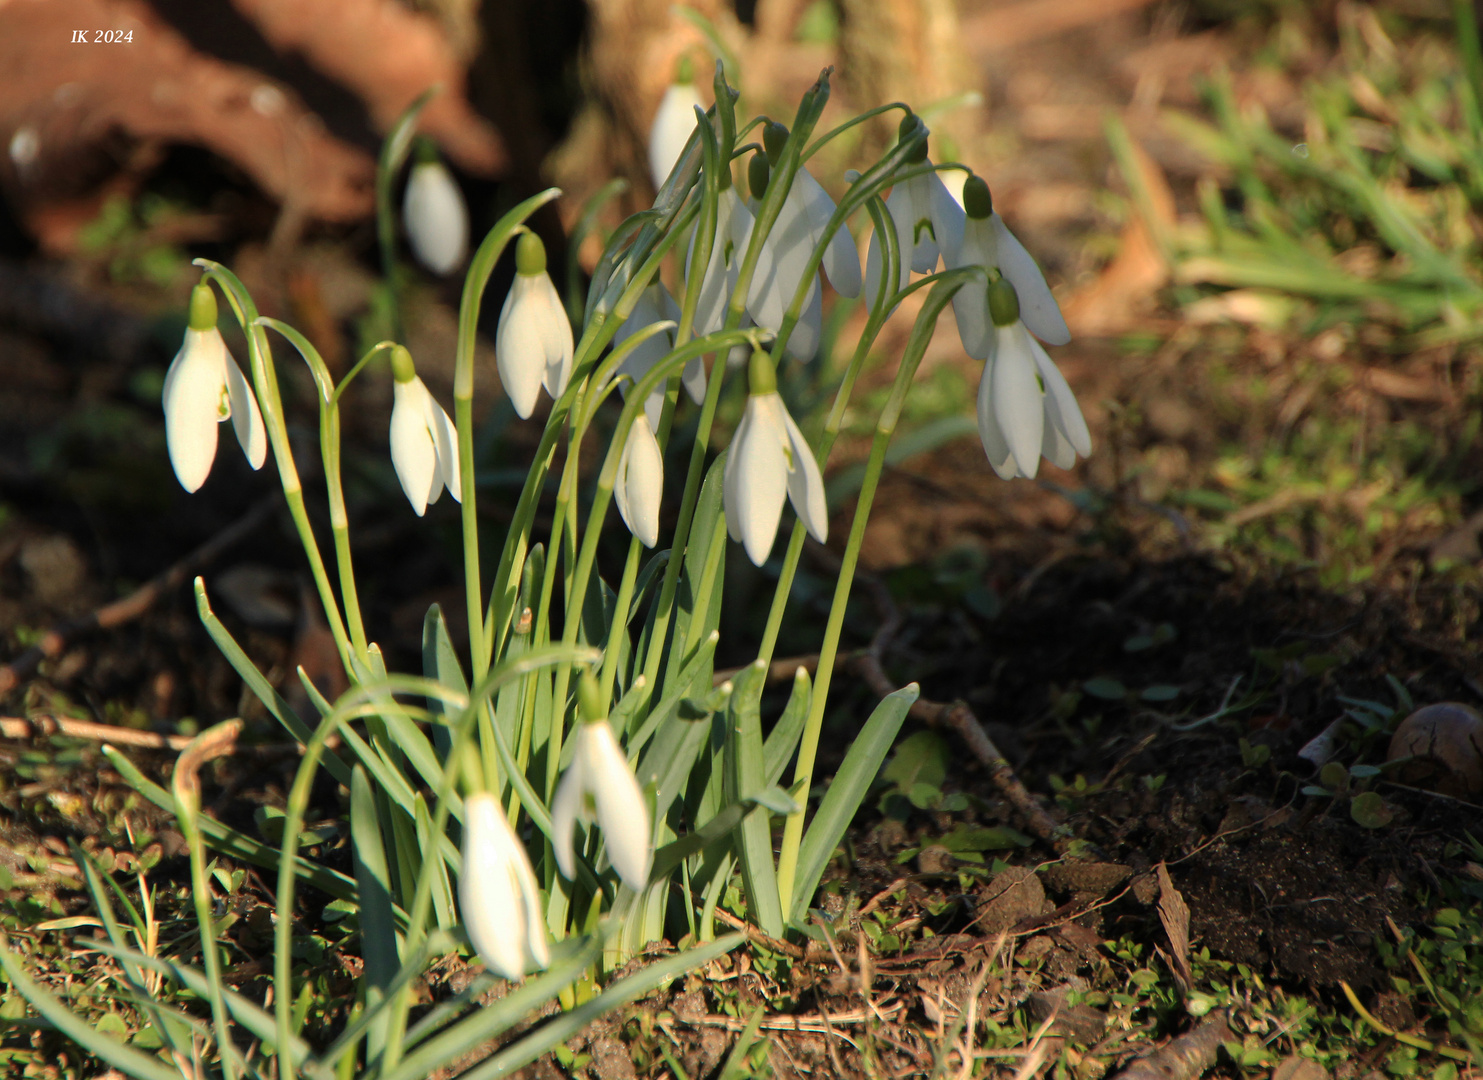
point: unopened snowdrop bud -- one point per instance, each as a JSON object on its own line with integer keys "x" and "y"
{"x": 770, "y": 461}
{"x": 673, "y": 123}
{"x": 424, "y": 443}
{"x": 497, "y": 892}
{"x": 1026, "y": 409}
{"x": 433, "y": 210}
{"x": 774, "y": 139}
{"x": 640, "y": 485}
{"x": 600, "y": 787}
{"x": 759, "y": 172}
{"x": 533, "y": 346}
{"x": 203, "y": 387}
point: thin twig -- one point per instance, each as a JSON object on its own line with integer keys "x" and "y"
{"x": 61, "y": 636}
{"x": 35, "y": 727}
{"x": 1186, "y": 1057}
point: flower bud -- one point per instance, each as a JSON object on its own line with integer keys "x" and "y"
{"x": 758, "y": 174}
{"x": 976, "y": 198}
{"x": 1004, "y": 303}
{"x": 774, "y": 138}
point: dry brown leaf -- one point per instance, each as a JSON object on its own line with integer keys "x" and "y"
{"x": 66, "y": 100}
{"x": 387, "y": 55}
{"x": 1174, "y": 914}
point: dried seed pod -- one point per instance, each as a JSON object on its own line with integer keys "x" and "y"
{"x": 1445, "y": 741}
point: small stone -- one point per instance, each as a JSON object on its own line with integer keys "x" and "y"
{"x": 1445, "y": 743}
{"x": 935, "y": 859}
{"x": 1299, "y": 1068}
{"x": 1013, "y": 895}
{"x": 1077, "y": 1023}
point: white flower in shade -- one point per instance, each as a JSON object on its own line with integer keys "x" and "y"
{"x": 795, "y": 235}
{"x": 733, "y": 234}
{"x": 497, "y": 892}
{"x": 988, "y": 242}
{"x": 424, "y": 444}
{"x": 203, "y": 387}
{"x": 673, "y": 123}
{"x": 640, "y": 484}
{"x": 770, "y": 461}
{"x": 436, "y": 219}
{"x": 1026, "y": 409}
{"x": 928, "y": 223}
{"x": 599, "y": 786}
{"x": 533, "y": 346}
{"x": 655, "y": 305}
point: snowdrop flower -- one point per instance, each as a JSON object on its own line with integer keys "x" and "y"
{"x": 928, "y": 221}
{"x": 988, "y": 242}
{"x": 203, "y": 387}
{"x": 656, "y": 305}
{"x": 497, "y": 892}
{"x": 673, "y": 123}
{"x": 770, "y": 460}
{"x": 640, "y": 482}
{"x": 1026, "y": 410}
{"x": 434, "y": 213}
{"x": 599, "y": 786}
{"x": 424, "y": 444}
{"x": 797, "y": 232}
{"x": 533, "y": 346}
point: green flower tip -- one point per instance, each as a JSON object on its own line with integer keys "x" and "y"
{"x": 589, "y": 699}
{"x": 774, "y": 138}
{"x": 976, "y": 198}
{"x": 762, "y": 377}
{"x": 203, "y": 307}
{"x": 685, "y": 70}
{"x": 1004, "y": 303}
{"x": 402, "y": 368}
{"x": 424, "y": 152}
{"x": 758, "y": 173}
{"x": 530, "y": 254}
{"x": 912, "y": 130}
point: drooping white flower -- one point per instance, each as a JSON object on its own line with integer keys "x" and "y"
{"x": 640, "y": 484}
{"x": 436, "y": 219}
{"x": 673, "y": 123}
{"x": 655, "y": 305}
{"x": 424, "y": 443}
{"x": 733, "y": 234}
{"x": 928, "y": 223}
{"x": 988, "y": 242}
{"x": 599, "y": 786}
{"x": 203, "y": 387}
{"x": 497, "y": 892}
{"x": 533, "y": 346}
{"x": 795, "y": 235}
{"x": 770, "y": 461}
{"x": 1026, "y": 409}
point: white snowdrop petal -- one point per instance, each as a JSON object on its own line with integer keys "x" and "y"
{"x": 566, "y": 810}
{"x": 673, "y": 123}
{"x": 247, "y": 420}
{"x": 641, "y": 482}
{"x": 1054, "y": 445}
{"x": 948, "y": 219}
{"x": 899, "y": 207}
{"x": 925, "y": 249}
{"x": 1000, "y": 459}
{"x": 193, "y": 398}
{"x": 519, "y": 351}
{"x": 1017, "y": 397}
{"x": 495, "y": 908}
{"x": 413, "y": 454}
{"x": 445, "y": 443}
{"x": 556, "y": 332}
{"x": 693, "y": 380}
{"x": 756, "y": 479}
{"x": 436, "y": 218}
{"x": 1061, "y": 401}
{"x": 841, "y": 258}
{"x": 791, "y": 244}
{"x": 805, "y": 481}
{"x": 808, "y": 331}
{"x": 622, "y": 813}
{"x": 1038, "y": 308}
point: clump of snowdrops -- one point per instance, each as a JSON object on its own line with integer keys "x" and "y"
{"x": 577, "y": 785}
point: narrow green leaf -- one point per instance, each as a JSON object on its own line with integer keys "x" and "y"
{"x": 782, "y": 740}
{"x": 743, "y": 770}
{"x": 735, "y": 1067}
{"x": 373, "y": 878}
{"x": 845, "y": 794}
